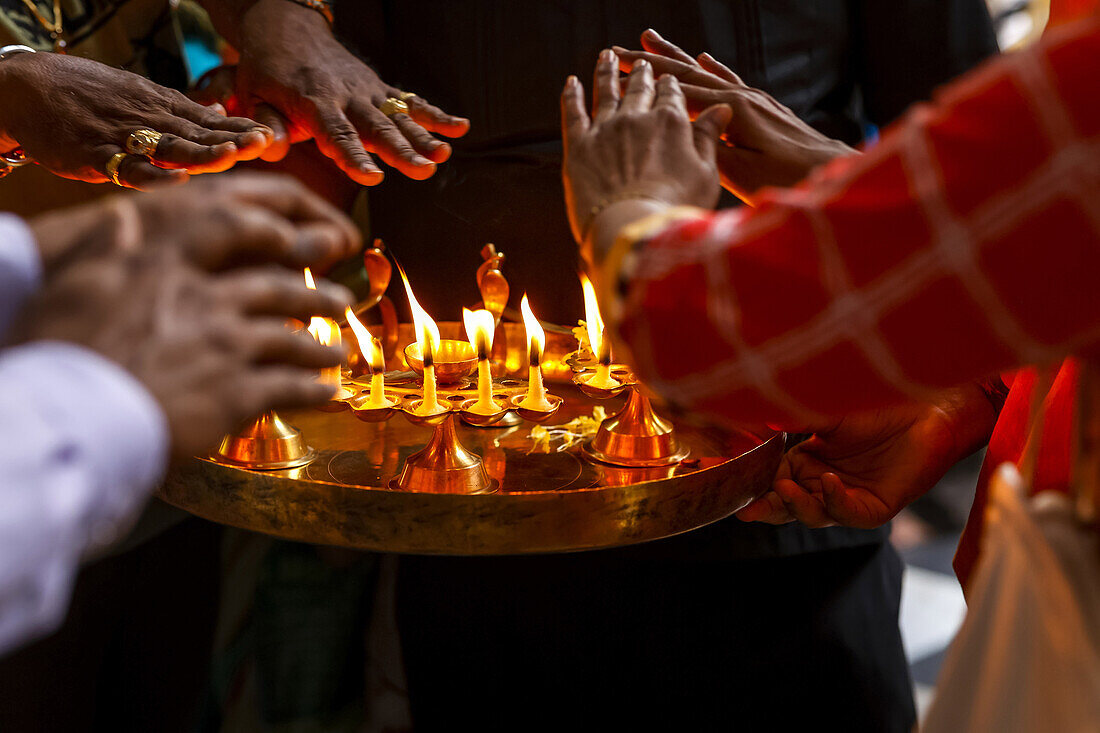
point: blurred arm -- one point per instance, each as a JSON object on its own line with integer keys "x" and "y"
{"x": 20, "y": 268}
{"x": 81, "y": 445}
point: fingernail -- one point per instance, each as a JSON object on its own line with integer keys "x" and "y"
{"x": 421, "y": 161}
{"x": 219, "y": 108}
{"x": 226, "y": 148}
{"x": 607, "y": 56}
{"x": 641, "y": 64}
{"x": 571, "y": 81}
{"x": 652, "y": 32}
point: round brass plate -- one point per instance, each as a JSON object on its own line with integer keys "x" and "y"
{"x": 545, "y": 502}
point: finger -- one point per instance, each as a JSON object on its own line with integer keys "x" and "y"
{"x": 175, "y": 152}
{"x": 245, "y": 234}
{"x": 252, "y": 138}
{"x": 574, "y": 117}
{"x": 136, "y": 172}
{"x": 435, "y": 120}
{"x": 338, "y": 140}
{"x": 269, "y": 342}
{"x": 768, "y": 509}
{"x": 382, "y": 137}
{"x": 716, "y": 67}
{"x": 708, "y": 128}
{"x": 669, "y": 95}
{"x": 287, "y": 196}
{"x": 802, "y": 506}
{"x": 422, "y": 141}
{"x": 267, "y": 116}
{"x": 654, "y": 43}
{"x": 277, "y": 292}
{"x": 841, "y": 503}
{"x": 640, "y": 89}
{"x": 691, "y": 73}
{"x": 250, "y": 142}
{"x": 282, "y": 388}
{"x": 606, "y": 87}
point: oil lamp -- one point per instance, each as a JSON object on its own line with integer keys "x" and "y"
{"x": 597, "y": 338}
{"x": 635, "y": 436}
{"x": 371, "y": 350}
{"x": 480, "y": 326}
{"x": 327, "y": 333}
{"x": 536, "y": 401}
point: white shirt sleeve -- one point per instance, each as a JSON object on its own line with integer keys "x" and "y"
{"x": 82, "y": 444}
{"x": 20, "y": 267}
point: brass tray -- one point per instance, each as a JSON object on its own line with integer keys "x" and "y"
{"x": 547, "y": 502}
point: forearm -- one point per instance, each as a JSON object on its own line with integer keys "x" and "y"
{"x": 82, "y": 446}
{"x": 228, "y": 16}
{"x": 20, "y": 269}
{"x": 799, "y": 312}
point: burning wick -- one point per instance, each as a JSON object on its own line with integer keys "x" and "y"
{"x": 371, "y": 349}
{"x": 429, "y": 405}
{"x": 536, "y": 392}
{"x": 597, "y": 337}
{"x": 428, "y": 338}
{"x": 479, "y": 330}
{"x": 327, "y": 333}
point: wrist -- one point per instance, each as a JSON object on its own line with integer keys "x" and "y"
{"x": 605, "y": 225}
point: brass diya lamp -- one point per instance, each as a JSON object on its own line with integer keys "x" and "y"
{"x": 446, "y": 391}
{"x": 635, "y": 436}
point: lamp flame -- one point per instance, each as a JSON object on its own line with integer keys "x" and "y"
{"x": 536, "y": 337}
{"x": 369, "y": 347}
{"x": 594, "y": 322}
{"x": 427, "y": 333}
{"x": 480, "y": 325}
{"x": 309, "y": 279}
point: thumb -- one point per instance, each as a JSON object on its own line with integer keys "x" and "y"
{"x": 708, "y": 127}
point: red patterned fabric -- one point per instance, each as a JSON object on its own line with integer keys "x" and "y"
{"x": 965, "y": 243}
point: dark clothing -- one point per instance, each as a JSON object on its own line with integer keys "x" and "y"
{"x": 839, "y": 64}
{"x": 748, "y": 626}
{"x": 134, "y": 652}
{"x": 605, "y": 642}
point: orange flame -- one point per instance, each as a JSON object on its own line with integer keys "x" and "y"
{"x": 322, "y": 329}
{"x": 594, "y": 321}
{"x": 369, "y": 347}
{"x": 427, "y": 333}
{"x": 309, "y": 279}
{"x": 480, "y": 325}
{"x": 536, "y": 337}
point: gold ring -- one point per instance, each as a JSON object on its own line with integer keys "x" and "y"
{"x": 406, "y": 96}
{"x": 143, "y": 142}
{"x": 112, "y": 167}
{"x": 393, "y": 106}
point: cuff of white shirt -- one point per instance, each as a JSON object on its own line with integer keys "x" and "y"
{"x": 20, "y": 267}
{"x": 112, "y": 420}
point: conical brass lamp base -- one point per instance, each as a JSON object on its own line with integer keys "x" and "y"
{"x": 636, "y": 436}
{"x": 266, "y": 444}
{"x": 443, "y": 466}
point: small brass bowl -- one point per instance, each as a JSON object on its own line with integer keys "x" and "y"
{"x": 453, "y": 360}
{"x": 478, "y": 419}
{"x": 432, "y": 420}
{"x": 599, "y": 393}
{"x": 373, "y": 414}
{"x": 536, "y": 416}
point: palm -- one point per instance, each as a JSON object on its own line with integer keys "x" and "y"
{"x": 862, "y": 470}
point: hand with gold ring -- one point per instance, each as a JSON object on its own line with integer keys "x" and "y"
{"x": 74, "y": 115}
{"x": 294, "y": 76}
{"x": 143, "y": 142}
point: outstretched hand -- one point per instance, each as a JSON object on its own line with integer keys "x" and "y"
{"x": 864, "y": 469}
{"x": 296, "y": 78}
{"x": 764, "y": 144}
{"x": 640, "y": 144}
